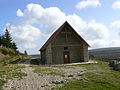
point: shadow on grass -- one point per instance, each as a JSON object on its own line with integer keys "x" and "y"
{"x": 35, "y": 61}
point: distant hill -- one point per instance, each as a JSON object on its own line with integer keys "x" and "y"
{"x": 105, "y": 50}
{"x": 35, "y": 55}
{"x": 105, "y": 53}
{"x": 100, "y": 53}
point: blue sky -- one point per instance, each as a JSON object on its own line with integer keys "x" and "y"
{"x": 102, "y": 12}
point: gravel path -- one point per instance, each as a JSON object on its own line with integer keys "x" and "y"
{"x": 33, "y": 81}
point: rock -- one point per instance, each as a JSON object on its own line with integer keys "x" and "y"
{"x": 115, "y": 64}
{"x": 117, "y": 67}
{"x": 70, "y": 75}
{"x": 80, "y": 75}
{"x": 112, "y": 63}
{"x": 58, "y": 82}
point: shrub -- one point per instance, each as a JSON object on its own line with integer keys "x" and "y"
{"x": 8, "y": 51}
{"x": 4, "y": 51}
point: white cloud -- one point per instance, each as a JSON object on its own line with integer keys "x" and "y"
{"x": 30, "y": 46}
{"x": 96, "y": 31}
{"x": 115, "y": 24}
{"x": 25, "y": 33}
{"x": 88, "y": 3}
{"x": 116, "y": 5}
{"x": 38, "y": 23}
{"x": 25, "y": 36}
{"x": 98, "y": 43}
{"x": 115, "y": 43}
{"x": 19, "y": 13}
{"x": 119, "y": 33}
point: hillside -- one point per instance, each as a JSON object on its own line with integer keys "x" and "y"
{"x": 8, "y": 56}
{"x": 7, "y": 51}
{"x": 105, "y": 50}
{"x": 8, "y": 67}
{"x": 108, "y": 53}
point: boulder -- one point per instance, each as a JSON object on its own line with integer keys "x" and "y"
{"x": 112, "y": 63}
{"x": 117, "y": 67}
{"x": 115, "y": 64}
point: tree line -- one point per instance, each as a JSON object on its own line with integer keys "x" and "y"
{"x": 7, "y": 41}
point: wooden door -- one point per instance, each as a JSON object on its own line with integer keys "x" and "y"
{"x": 66, "y": 57}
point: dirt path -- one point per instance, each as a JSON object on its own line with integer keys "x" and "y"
{"x": 30, "y": 82}
{"x": 33, "y": 81}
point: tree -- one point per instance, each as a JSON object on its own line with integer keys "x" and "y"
{"x": 7, "y": 35}
{"x": 3, "y": 41}
{"x": 0, "y": 40}
{"x": 6, "y": 40}
{"x": 14, "y": 46}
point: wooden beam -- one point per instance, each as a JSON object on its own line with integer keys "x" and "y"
{"x": 76, "y": 35}
{"x": 66, "y": 32}
{"x": 66, "y": 37}
{"x": 65, "y": 45}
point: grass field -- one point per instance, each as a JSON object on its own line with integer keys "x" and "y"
{"x": 98, "y": 77}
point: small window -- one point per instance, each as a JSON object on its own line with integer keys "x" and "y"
{"x": 65, "y": 48}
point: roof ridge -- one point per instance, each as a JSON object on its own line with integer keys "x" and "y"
{"x": 57, "y": 32}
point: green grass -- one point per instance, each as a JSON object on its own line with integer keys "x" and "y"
{"x": 17, "y": 75}
{"x": 98, "y": 77}
{"x": 13, "y": 59}
{"x": 79, "y": 85}
{"x": 46, "y": 69}
{"x": 56, "y": 73}
{"x": 8, "y": 51}
{"x": 62, "y": 66}
{"x": 49, "y": 71}
{"x": 8, "y": 67}
{"x": 72, "y": 65}
{"x": 2, "y": 82}
{"x": 9, "y": 71}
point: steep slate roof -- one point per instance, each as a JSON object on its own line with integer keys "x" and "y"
{"x": 58, "y": 31}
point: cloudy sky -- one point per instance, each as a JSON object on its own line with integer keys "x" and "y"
{"x": 31, "y": 22}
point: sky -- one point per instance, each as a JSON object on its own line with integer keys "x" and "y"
{"x": 31, "y": 22}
